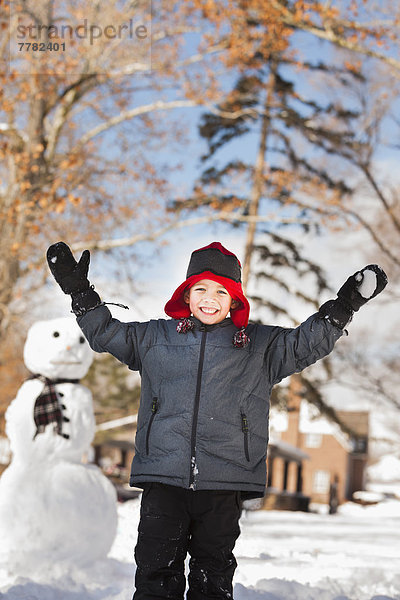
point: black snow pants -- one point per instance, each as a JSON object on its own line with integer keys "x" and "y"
{"x": 175, "y": 521}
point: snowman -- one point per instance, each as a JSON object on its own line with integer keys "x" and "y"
{"x": 54, "y": 508}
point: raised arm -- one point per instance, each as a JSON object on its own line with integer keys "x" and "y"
{"x": 104, "y": 333}
{"x": 354, "y": 293}
{"x": 292, "y": 350}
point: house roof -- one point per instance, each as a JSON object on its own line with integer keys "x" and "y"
{"x": 311, "y": 420}
{"x": 357, "y": 421}
{"x": 287, "y": 451}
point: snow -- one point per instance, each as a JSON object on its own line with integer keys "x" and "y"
{"x": 353, "y": 555}
{"x": 54, "y": 508}
{"x": 384, "y": 476}
{"x": 386, "y": 470}
{"x": 5, "y": 453}
{"x": 368, "y": 285}
{"x": 289, "y": 450}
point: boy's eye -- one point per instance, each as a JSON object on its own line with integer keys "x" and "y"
{"x": 222, "y": 292}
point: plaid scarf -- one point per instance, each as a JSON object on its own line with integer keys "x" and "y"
{"x": 48, "y": 408}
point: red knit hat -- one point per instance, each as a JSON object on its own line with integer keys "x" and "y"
{"x": 218, "y": 264}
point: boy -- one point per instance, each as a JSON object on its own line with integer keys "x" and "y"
{"x": 202, "y": 432}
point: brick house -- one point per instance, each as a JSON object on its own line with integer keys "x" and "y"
{"x": 305, "y": 452}
{"x": 331, "y": 453}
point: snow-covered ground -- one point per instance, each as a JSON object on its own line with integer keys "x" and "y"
{"x": 353, "y": 555}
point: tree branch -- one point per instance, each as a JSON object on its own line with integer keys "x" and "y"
{"x": 167, "y": 33}
{"x": 131, "y": 114}
{"x": 190, "y": 60}
{"x": 59, "y": 121}
{"x": 10, "y": 131}
{"x": 380, "y": 195}
{"x": 355, "y": 215}
{"x": 330, "y": 35}
{"x": 226, "y": 216}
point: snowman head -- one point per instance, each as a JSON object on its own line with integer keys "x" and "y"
{"x": 57, "y": 349}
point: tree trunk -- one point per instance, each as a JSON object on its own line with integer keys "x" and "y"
{"x": 258, "y": 177}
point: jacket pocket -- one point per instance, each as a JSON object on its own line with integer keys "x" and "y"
{"x": 245, "y": 429}
{"x": 154, "y": 408}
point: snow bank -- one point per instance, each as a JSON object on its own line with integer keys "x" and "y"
{"x": 353, "y": 555}
{"x": 387, "y": 469}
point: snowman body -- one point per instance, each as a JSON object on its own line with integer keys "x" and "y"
{"x": 54, "y": 507}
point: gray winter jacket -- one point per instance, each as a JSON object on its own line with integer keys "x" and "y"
{"x": 203, "y": 416}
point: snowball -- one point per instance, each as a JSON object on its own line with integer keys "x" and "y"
{"x": 368, "y": 285}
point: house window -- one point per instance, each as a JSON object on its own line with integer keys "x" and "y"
{"x": 313, "y": 440}
{"x": 321, "y": 482}
{"x": 360, "y": 445}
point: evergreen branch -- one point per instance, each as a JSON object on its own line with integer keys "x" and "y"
{"x": 380, "y": 195}
{"x": 277, "y": 310}
{"x": 313, "y": 396}
{"x": 236, "y": 114}
{"x": 288, "y": 288}
{"x": 355, "y": 215}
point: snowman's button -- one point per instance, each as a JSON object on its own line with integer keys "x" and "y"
{"x": 61, "y": 395}
{"x": 63, "y": 407}
{"x": 66, "y": 420}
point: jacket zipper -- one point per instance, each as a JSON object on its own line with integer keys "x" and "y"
{"x": 193, "y": 468}
{"x": 154, "y": 408}
{"x": 245, "y": 429}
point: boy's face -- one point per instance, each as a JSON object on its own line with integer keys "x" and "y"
{"x": 209, "y": 301}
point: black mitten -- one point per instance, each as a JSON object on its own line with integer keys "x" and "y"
{"x": 336, "y": 313}
{"x": 71, "y": 276}
{"x": 362, "y": 286}
{"x": 354, "y": 293}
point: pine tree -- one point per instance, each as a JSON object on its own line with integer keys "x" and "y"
{"x": 294, "y": 174}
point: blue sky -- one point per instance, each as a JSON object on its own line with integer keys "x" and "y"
{"x": 161, "y": 269}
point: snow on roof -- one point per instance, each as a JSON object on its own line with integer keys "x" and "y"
{"x": 278, "y": 420}
{"x": 285, "y": 450}
{"x": 311, "y": 421}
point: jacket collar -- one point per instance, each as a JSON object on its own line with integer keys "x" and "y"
{"x": 202, "y": 326}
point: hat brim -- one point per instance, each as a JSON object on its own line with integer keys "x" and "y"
{"x": 177, "y": 308}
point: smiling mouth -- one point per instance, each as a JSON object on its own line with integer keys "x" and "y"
{"x": 208, "y": 311}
